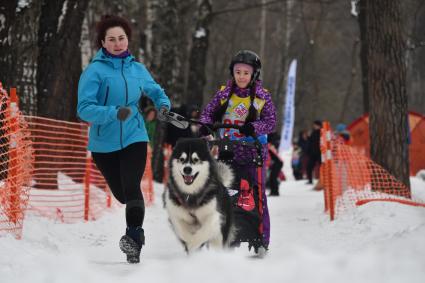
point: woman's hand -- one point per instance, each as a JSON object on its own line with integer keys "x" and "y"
{"x": 162, "y": 114}
{"x": 123, "y": 113}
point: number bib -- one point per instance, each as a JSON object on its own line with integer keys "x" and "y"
{"x": 236, "y": 114}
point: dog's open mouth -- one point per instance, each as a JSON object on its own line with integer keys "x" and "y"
{"x": 188, "y": 179}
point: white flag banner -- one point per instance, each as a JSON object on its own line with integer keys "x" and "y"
{"x": 289, "y": 115}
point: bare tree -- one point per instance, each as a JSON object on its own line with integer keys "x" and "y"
{"x": 415, "y": 16}
{"x": 313, "y": 30}
{"x": 162, "y": 42}
{"x": 386, "y": 50}
{"x": 8, "y": 12}
{"x": 361, "y": 4}
{"x": 59, "y": 60}
{"x": 18, "y": 63}
{"x": 198, "y": 54}
{"x": 263, "y": 29}
{"x": 349, "y": 92}
{"x": 131, "y": 10}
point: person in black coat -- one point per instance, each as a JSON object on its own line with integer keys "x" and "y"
{"x": 313, "y": 150}
{"x": 276, "y": 163}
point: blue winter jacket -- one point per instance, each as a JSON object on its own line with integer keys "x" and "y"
{"x": 106, "y": 84}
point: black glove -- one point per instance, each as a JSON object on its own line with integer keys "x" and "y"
{"x": 123, "y": 113}
{"x": 247, "y": 129}
{"x": 203, "y": 130}
{"x": 162, "y": 114}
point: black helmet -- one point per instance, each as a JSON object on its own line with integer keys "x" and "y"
{"x": 247, "y": 57}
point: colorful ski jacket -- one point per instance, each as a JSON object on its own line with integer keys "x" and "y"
{"x": 107, "y": 84}
{"x": 237, "y": 112}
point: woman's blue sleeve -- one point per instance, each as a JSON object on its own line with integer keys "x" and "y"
{"x": 154, "y": 91}
{"x": 87, "y": 107}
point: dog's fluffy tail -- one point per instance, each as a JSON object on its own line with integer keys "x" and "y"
{"x": 225, "y": 173}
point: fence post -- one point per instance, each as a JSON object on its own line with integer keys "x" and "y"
{"x": 87, "y": 186}
{"x": 329, "y": 170}
{"x": 147, "y": 181}
{"x": 167, "y": 154}
{"x": 324, "y": 167}
{"x": 14, "y": 199}
{"x": 108, "y": 197}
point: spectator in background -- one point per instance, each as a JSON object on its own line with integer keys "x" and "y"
{"x": 296, "y": 162}
{"x": 303, "y": 154}
{"x": 342, "y": 132}
{"x": 313, "y": 150}
{"x": 276, "y": 163}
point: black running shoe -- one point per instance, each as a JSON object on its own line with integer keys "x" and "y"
{"x": 130, "y": 248}
{"x": 131, "y": 243}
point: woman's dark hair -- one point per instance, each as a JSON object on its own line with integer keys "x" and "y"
{"x": 107, "y": 22}
{"x": 252, "y": 112}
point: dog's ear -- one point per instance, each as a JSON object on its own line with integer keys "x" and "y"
{"x": 210, "y": 151}
{"x": 201, "y": 146}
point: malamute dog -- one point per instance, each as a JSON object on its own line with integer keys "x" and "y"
{"x": 197, "y": 202}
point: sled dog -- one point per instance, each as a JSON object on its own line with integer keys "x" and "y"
{"x": 196, "y": 197}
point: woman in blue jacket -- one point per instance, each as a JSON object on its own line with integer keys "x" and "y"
{"x": 108, "y": 95}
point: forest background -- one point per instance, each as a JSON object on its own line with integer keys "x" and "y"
{"x": 187, "y": 45}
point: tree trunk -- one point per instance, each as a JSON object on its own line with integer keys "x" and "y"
{"x": 18, "y": 62}
{"x": 8, "y": 12}
{"x": 285, "y": 30}
{"x": 59, "y": 61}
{"x": 198, "y": 54}
{"x": 416, "y": 58}
{"x": 162, "y": 40}
{"x": 363, "y": 53}
{"x": 388, "y": 124}
{"x": 263, "y": 31}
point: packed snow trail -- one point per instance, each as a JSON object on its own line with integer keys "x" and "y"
{"x": 377, "y": 242}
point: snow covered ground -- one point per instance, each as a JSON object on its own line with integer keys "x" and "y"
{"x": 377, "y": 242}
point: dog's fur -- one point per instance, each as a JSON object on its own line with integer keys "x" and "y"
{"x": 196, "y": 198}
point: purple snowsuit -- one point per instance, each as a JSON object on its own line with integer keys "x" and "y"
{"x": 264, "y": 125}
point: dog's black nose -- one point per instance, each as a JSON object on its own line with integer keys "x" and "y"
{"x": 187, "y": 170}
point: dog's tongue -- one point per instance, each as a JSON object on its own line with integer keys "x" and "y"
{"x": 188, "y": 179}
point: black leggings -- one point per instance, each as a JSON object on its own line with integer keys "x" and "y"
{"x": 123, "y": 171}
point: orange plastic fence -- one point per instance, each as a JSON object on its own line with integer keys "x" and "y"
{"x": 359, "y": 131}
{"x": 67, "y": 185}
{"x": 350, "y": 178}
{"x": 15, "y": 165}
{"x": 45, "y": 169}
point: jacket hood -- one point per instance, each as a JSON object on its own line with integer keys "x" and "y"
{"x": 114, "y": 62}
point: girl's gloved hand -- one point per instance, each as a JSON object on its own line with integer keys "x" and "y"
{"x": 203, "y": 130}
{"x": 247, "y": 129}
